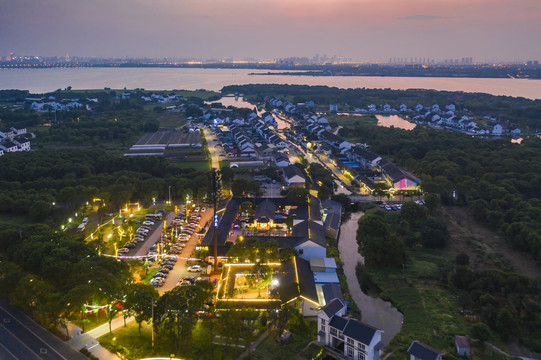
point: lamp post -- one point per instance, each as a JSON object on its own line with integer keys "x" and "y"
{"x": 169, "y": 194}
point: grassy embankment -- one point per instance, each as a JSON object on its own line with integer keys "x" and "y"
{"x": 431, "y": 310}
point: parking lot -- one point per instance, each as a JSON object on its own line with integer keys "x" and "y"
{"x": 180, "y": 256}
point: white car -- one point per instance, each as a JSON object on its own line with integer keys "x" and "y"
{"x": 148, "y": 223}
{"x": 194, "y": 268}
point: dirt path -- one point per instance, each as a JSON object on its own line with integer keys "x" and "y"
{"x": 486, "y": 248}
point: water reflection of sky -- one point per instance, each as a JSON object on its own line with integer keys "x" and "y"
{"x": 233, "y": 101}
{"x": 395, "y": 121}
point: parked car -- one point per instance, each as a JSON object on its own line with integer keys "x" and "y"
{"x": 194, "y": 268}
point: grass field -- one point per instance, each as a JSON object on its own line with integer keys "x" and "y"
{"x": 132, "y": 345}
{"x": 270, "y": 349}
{"x": 351, "y": 120}
{"x": 199, "y": 165}
{"x": 431, "y": 312}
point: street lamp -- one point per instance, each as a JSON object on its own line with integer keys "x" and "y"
{"x": 169, "y": 194}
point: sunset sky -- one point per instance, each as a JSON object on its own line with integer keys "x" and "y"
{"x": 373, "y": 30}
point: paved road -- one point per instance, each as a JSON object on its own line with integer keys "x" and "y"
{"x": 214, "y": 150}
{"x": 154, "y": 236}
{"x": 21, "y": 338}
{"x": 180, "y": 270}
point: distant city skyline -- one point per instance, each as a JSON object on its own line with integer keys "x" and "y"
{"x": 360, "y": 30}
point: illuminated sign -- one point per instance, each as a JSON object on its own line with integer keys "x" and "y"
{"x": 216, "y": 220}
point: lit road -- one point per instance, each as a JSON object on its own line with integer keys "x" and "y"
{"x": 214, "y": 149}
{"x": 155, "y": 235}
{"x": 180, "y": 270}
{"x": 21, "y": 338}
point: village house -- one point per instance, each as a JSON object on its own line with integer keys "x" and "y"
{"x": 420, "y": 351}
{"x": 293, "y": 176}
{"x": 345, "y": 336}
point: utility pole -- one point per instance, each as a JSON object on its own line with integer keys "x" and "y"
{"x": 152, "y": 327}
{"x": 215, "y": 196}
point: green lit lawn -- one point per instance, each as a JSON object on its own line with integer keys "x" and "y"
{"x": 128, "y": 342}
{"x": 270, "y": 349}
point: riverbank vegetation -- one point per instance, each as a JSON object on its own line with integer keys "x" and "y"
{"x": 441, "y": 296}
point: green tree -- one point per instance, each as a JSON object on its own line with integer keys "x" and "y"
{"x": 289, "y": 222}
{"x": 227, "y": 173}
{"x": 434, "y": 234}
{"x": 413, "y": 213}
{"x": 481, "y": 332}
{"x": 377, "y": 245}
{"x": 176, "y": 312}
{"x": 297, "y": 195}
{"x": 431, "y": 201}
{"x": 323, "y": 192}
{"x": 259, "y": 276}
{"x": 138, "y": 302}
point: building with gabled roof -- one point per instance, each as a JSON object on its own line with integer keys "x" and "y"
{"x": 363, "y": 157}
{"x": 420, "y": 351}
{"x": 349, "y": 337}
{"x": 280, "y": 160}
{"x": 462, "y": 345}
{"x": 396, "y": 177}
{"x": 293, "y": 176}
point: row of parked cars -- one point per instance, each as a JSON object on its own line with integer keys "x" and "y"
{"x": 158, "y": 279}
{"x": 396, "y": 207}
{"x": 140, "y": 235}
{"x": 176, "y": 249}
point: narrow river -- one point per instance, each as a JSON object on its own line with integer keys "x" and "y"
{"x": 375, "y": 312}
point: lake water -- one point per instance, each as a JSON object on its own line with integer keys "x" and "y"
{"x": 44, "y": 80}
{"x": 233, "y": 101}
{"x": 394, "y": 121}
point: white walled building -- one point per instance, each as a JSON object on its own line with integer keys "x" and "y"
{"x": 347, "y": 336}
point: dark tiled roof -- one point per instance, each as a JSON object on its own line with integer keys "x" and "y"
{"x": 338, "y": 322}
{"x": 332, "y": 221}
{"x": 365, "y": 180}
{"x": 392, "y": 170}
{"x": 291, "y": 170}
{"x": 310, "y": 211}
{"x": 330, "y": 137}
{"x": 359, "y": 331}
{"x": 333, "y": 307}
{"x": 335, "y": 206}
{"x": 224, "y": 223}
{"x": 289, "y": 287}
{"x": 306, "y": 279}
{"x": 365, "y": 154}
{"x": 422, "y": 351}
{"x": 266, "y": 209}
{"x": 310, "y": 230}
{"x": 280, "y": 157}
{"x": 332, "y": 291}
